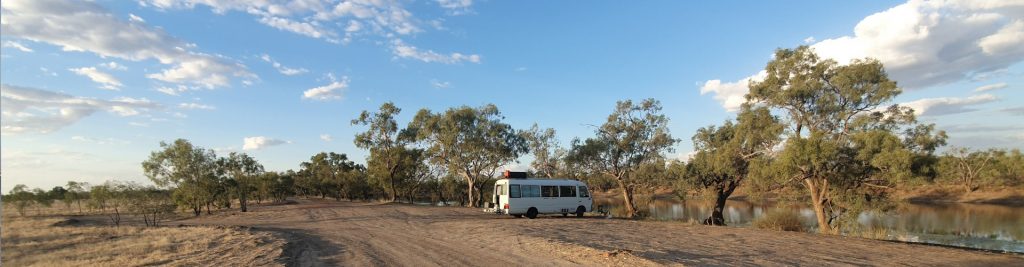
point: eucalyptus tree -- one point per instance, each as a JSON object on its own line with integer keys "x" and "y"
{"x": 968, "y": 167}
{"x": 633, "y": 135}
{"x": 333, "y": 170}
{"x": 191, "y": 171}
{"x": 841, "y": 143}
{"x": 469, "y": 142}
{"x": 245, "y": 171}
{"x": 547, "y": 154}
{"x": 725, "y": 154}
{"x": 389, "y": 155}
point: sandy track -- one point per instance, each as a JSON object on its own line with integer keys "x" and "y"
{"x": 327, "y": 233}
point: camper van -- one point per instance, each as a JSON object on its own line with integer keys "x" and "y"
{"x": 517, "y": 195}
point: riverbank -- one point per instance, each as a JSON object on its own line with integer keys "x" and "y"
{"x": 937, "y": 194}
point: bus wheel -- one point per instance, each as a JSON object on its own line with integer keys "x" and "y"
{"x": 580, "y": 210}
{"x": 532, "y": 213}
{"x": 517, "y": 215}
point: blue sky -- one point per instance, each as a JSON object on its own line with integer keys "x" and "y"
{"x": 91, "y": 88}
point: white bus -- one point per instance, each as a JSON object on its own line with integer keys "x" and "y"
{"x": 530, "y": 197}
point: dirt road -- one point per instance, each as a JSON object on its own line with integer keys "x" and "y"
{"x": 326, "y": 233}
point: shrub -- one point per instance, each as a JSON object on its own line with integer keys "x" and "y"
{"x": 779, "y": 220}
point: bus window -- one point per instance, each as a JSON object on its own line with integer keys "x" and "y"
{"x": 583, "y": 192}
{"x": 531, "y": 190}
{"x": 513, "y": 191}
{"x": 567, "y": 190}
{"x": 549, "y": 191}
{"x": 499, "y": 190}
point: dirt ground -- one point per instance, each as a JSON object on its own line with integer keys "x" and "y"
{"x": 327, "y": 233}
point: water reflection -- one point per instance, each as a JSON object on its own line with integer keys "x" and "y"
{"x": 968, "y": 225}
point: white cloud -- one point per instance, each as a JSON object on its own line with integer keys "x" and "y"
{"x": 260, "y": 142}
{"x": 402, "y": 50}
{"x": 326, "y": 137}
{"x": 99, "y": 141}
{"x": 521, "y": 69}
{"x": 134, "y": 18}
{"x": 195, "y": 106}
{"x": 310, "y": 29}
{"x": 281, "y": 68}
{"x": 948, "y": 105}
{"x": 17, "y": 45}
{"x": 85, "y": 26}
{"x": 927, "y": 43}
{"x": 455, "y": 4}
{"x": 809, "y": 40}
{"x": 991, "y": 87}
{"x": 30, "y": 110}
{"x": 113, "y": 66}
{"x": 332, "y": 91}
{"x": 456, "y": 7}
{"x": 337, "y": 21}
{"x": 731, "y": 94}
{"x": 175, "y": 91}
{"x": 105, "y": 79}
{"x": 440, "y": 85}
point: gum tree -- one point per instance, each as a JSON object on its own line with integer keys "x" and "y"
{"x": 469, "y": 142}
{"x": 634, "y": 134}
{"x": 726, "y": 153}
{"x": 389, "y": 155}
{"x": 841, "y": 145}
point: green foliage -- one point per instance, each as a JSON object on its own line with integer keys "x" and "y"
{"x": 547, "y": 154}
{"x": 725, "y": 154}
{"x": 244, "y": 171}
{"x": 633, "y": 135}
{"x": 984, "y": 168}
{"x": 329, "y": 173}
{"x": 191, "y": 171}
{"x": 21, "y": 196}
{"x": 842, "y": 145}
{"x": 391, "y": 164}
{"x": 469, "y": 142}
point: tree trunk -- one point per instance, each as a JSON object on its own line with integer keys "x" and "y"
{"x": 627, "y": 197}
{"x": 717, "y": 216}
{"x": 819, "y": 197}
{"x": 470, "y": 197}
{"x": 242, "y": 199}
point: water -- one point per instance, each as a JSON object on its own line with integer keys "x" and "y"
{"x": 993, "y": 227}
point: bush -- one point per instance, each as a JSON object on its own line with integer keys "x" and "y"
{"x": 779, "y": 220}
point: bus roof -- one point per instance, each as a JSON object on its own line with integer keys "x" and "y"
{"x": 539, "y": 181}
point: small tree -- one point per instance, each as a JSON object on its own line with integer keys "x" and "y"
{"x": 634, "y": 134}
{"x": 42, "y": 199}
{"x": 244, "y": 170}
{"x": 547, "y": 154}
{"x": 21, "y": 197}
{"x": 76, "y": 191}
{"x": 190, "y": 170}
{"x": 967, "y": 166}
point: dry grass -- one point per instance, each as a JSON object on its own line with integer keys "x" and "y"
{"x": 29, "y": 241}
{"x": 779, "y": 220}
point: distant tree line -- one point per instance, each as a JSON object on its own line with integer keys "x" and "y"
{"x": 813, "y": 129}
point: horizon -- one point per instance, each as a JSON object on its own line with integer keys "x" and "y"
{"x": 282, "y": 82}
